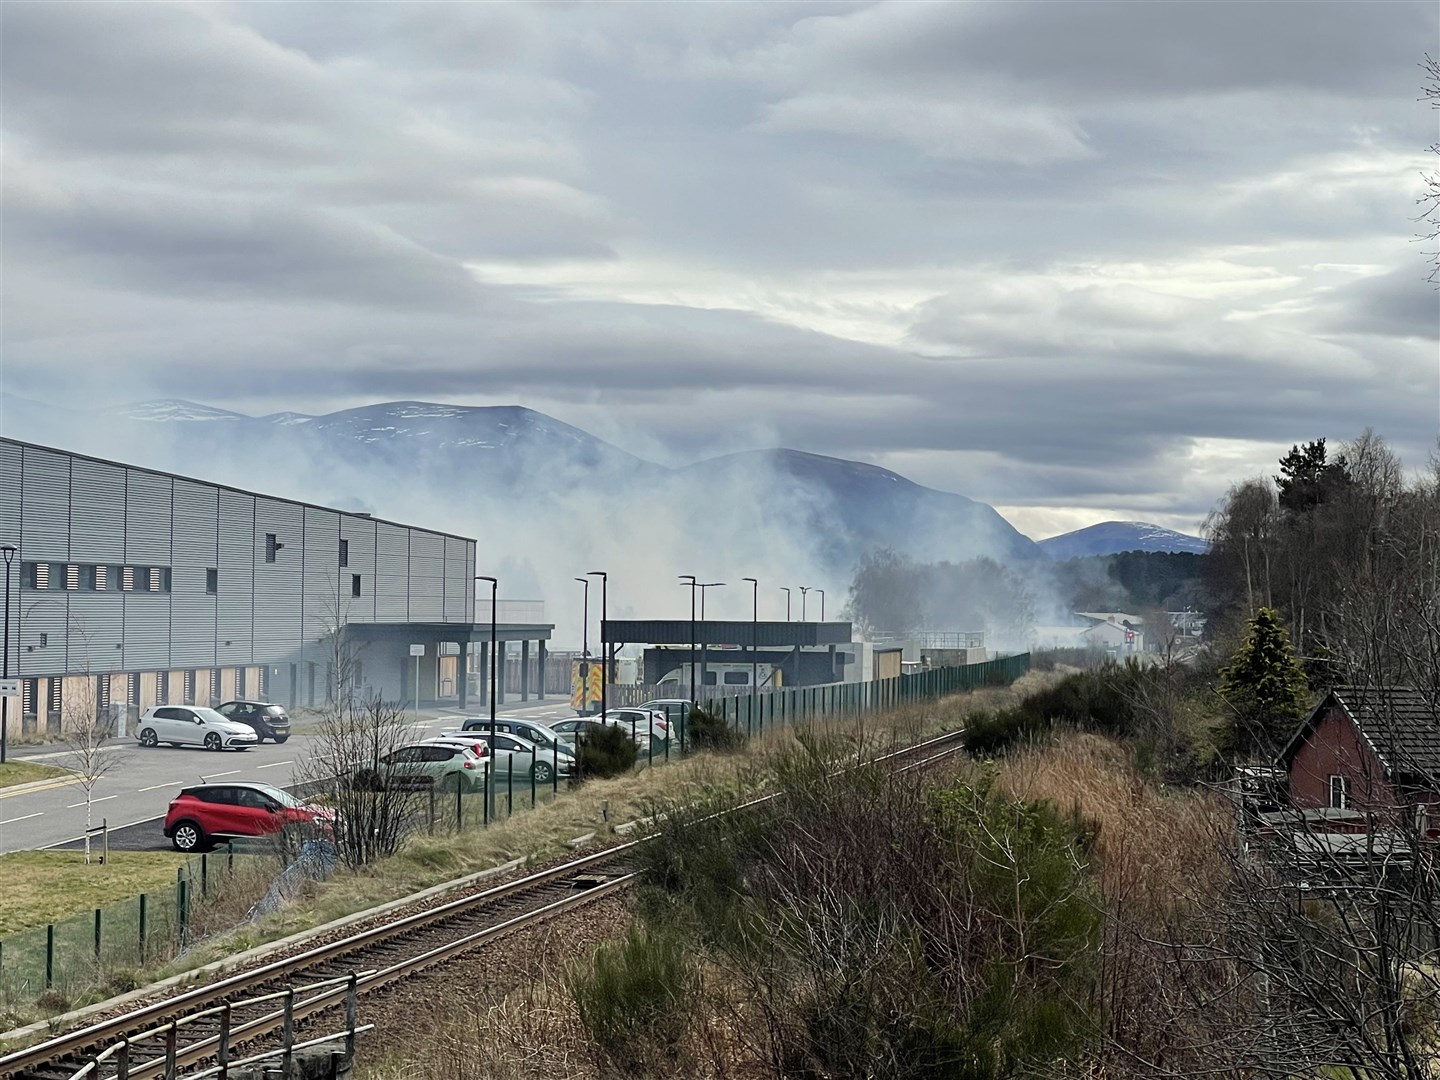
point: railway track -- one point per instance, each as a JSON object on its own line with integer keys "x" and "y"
{"x": 205, "y": 1024}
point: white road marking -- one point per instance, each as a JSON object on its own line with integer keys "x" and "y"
{"x": 27, "y": 817}
{"x": 212, "y": 775}
{"x": 273, "y": 764}
{"x": 157, "y": 787}
{"x": 107, "y": 798}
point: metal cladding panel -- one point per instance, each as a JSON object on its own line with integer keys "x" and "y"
{"x": 326, "y": 604}
{"x": 10, "y": 533}
{"x": 147, "y": 630}
{"x": 42, "y": 617}
{"x": 235, "y": 584}
{"x": 278, "y": 585}
{"x": 45, "y": 504}
{"x": 96, "y": 626}
{"x": 97, "y": 512}
{"x": 197, "y": 509}
{"x": 359, "y": 533}
{"x": 427, "y": 576}
{"x": 148, "y": 518}
{"x": 458, "y": 606}
{"x": 392, "y": 573}
{"x": 192, "y": 618}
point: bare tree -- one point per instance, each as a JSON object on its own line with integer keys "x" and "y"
{"x": 84, "y": 731}
{"x": 1430, "y": 200}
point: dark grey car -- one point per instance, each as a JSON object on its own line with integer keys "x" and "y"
{"x": 269, "y": 720}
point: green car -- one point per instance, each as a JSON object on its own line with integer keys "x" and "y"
{"x": 422, "y": 766}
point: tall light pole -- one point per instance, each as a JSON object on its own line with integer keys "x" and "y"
{"x": 786, "y": 591}
{"x": 822, "y": 604}
{"x": 8, "y": 550}
{"x": 585, "y": 619}
{"x": 702, "y": 586}
{"x": 803, "y": 590}
{"x": 494, "y": 663}
{"x": 754, "y": 627}
{"x": 692, "y": 581}
{"x": 604, "y": 644}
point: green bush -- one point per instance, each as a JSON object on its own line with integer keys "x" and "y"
{"x": 707, "y": 731}
{"x": 635, "y": 997}
{"x": 608, "y": 751}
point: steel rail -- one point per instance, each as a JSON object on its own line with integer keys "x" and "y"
{"x": 160, "y": 1016}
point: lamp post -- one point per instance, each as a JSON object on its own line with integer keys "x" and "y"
{"x": 692, "y": 581}
{"x": 494, "y": 663}
{"x": 803, "y": 590}
{"x": 754, "y": 627}
{"x": 585, "y": 619}
{"x": 604, "y": 644}
{"x": 8, "y": 550}
{"x": 786, "y": 591}
{"x": 705, "y": 649}
{"x": 822, "y": 604}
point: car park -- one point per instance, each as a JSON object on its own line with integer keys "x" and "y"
{"x": 192, "y": 725}
{"x": 512, "y": 756}
{"x": 419, "y": 766}
{"x": 203, "y": 814}
{"x": 270, "y": 721}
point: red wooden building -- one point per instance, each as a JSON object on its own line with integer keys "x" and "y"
{"x": 1367, "y": 749}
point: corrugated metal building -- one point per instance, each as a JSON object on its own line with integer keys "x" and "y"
{"x": 140, "y": 587}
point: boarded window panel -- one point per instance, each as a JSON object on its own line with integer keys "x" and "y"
{"x": 127, "y": 579}
{"x": 72, "y": 577}
{"x": 157, "y": 579}
{"x": 40, "y": 575}
{"x": 28, "y": 690}
{"x": 55, "y": 695}
{"x": 162, "y": 688}
{"x": 189, "y": 686}
{"x": 102, "y": 578}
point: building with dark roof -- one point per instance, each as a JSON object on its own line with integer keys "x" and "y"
{"x": 1367, "y": 749}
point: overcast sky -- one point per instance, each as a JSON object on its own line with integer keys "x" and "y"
{"x": 1079, "y": 260}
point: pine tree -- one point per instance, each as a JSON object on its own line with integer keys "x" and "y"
{"x": 1265, "y": 686}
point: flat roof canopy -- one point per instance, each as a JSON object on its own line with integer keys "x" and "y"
{"x": 767, "y": 635}
{"x": 458, "y": 631}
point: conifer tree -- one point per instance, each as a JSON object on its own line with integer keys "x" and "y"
{"x": 1264, "y": 685}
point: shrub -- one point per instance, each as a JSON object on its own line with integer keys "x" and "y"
{"x": 707, "y": 731}
{"x": 634, "y": 998}
{"x": 607, "y": 751}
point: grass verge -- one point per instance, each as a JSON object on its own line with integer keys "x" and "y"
{"x": 25, "y": 772}
{"x": 51, "y": 886}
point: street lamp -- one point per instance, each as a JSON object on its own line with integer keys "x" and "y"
{"x": 604, "y": 644}
{"x": 754, "y": 626}
{"x": 786, "y": 591}
{"x": 702, "y": 586}
{"x": 8, "y": 551}
{"x": 803, "y": 590}
{"x": 585, "y": 619}
{"x": 494, "y": 663}
{"x": 692, "y": 581}
{"x": 822, "y": 604}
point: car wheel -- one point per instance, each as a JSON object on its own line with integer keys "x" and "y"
{"x": 280, "y": 739}
{"x": 188, "y": 837}
{"x": 543, "y": 771}
{"x": 148, "y": 739}
{"x": 212, "y": 741}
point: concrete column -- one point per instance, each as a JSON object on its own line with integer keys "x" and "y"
{"x": 501, "y": 650}
{"x": 540, "y": 666}
{"x": 485, "y": 652}
{"x": 462, "y": 673}
{"x": 525, "y": 670}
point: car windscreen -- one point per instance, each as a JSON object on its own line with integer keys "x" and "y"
{"x": 273, "y": 710}
{"x": 280, "y": 795}
{"x": 210, "y": 715}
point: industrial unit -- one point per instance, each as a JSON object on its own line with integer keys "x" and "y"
{"x": 132, "y": 587}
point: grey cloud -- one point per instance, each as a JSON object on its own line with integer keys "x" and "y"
{"x": 1398, "y": 304}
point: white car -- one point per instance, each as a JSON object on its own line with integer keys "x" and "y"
{"x": 192, "y": 725}
{"x": 640, "y": 723}
{"x": 510, "y": 755}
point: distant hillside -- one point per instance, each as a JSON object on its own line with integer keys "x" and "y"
{"x": 1114, "y": 537}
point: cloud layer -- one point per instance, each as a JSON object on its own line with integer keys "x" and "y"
{"x": 1078, "y": 260}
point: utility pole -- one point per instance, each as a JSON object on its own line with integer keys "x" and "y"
{"x": 8, "y": 550}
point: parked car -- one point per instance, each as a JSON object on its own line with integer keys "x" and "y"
{"x": 269, "y": 720}
{"x": 514, "y": 756}
{"x": 571, "y": 730}
{"x": 200, "y": 815}
{"x": 193, "y": 725}
{"x": 424, "y": 765}
{"x": 640, "y": 721}
{"x": 533, "y": 731}
{"x": 675, "y": 710}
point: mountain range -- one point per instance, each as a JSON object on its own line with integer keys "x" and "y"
{"x": 541, "y": 465}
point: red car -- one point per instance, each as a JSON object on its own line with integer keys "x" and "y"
{"x": 201, "y": 815}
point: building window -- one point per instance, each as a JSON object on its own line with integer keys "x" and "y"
{"x": 162, "y": 688}
{"x": 127, "y": 579}
{"x": 737, "y": 678}
{"x": 189, "y": 690}
{"x": 344, "y": 552}
{"x": 55, "y": 690}
{"x": 72, "y": 577}
{"x": 29, "y": 689}
{"x": 212, "y": 581}
{"x": 132, "y": 688}
{"x": 44, "y": 639}
{"x": 39, "y": 575}
{"x": 240, "y": 683}
{"x": 1340, "y": 792}
{"x": 272, "y": 545}
{"x": 102, "y": 691}
{"x": 354, "y": 584}
{"x": 214, "y": 695}
{"x": 100, "y": 578}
